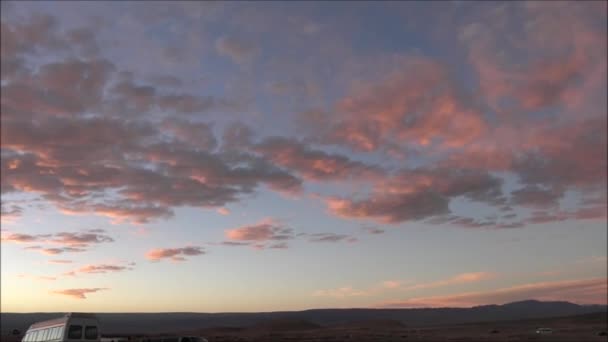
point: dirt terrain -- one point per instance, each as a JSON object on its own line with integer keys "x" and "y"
{"x": 571, "y": 329}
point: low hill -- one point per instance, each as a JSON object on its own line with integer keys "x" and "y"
{"x": 120, "y": 323}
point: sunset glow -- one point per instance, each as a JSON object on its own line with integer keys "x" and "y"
{"x": 264, "y": 156}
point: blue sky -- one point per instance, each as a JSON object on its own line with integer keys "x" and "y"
{"x": 260, "y": 156}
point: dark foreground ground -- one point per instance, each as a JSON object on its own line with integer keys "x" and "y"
{"x": 585, "y": 328}
{"x": 574, "y": 328}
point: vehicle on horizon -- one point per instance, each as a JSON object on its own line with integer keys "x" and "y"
{"x": 72, "y": 327}
{"x": 544, "y": 331}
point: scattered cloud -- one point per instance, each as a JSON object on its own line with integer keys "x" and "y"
{"x": 238, "y": 50}
{"x": 328, "y": 237}
{"x": 223, "y": 211}
{"x": 100, "y": 268}
{"x": 314, "y": 164}
{"x": 417, "y": 194}
{"x": 48, "y": 278}
{"x": 391, "y": 284}
{"x": 260, "y": 235}
{"x": 59, "y": 261}
{"x": 342, "y": 292}
{"x": 585, "y": 291}
{"x": 78, "y": 293}
{"x": 374, "y": 230}
{"x": 68, "y": 241}
{"x": 174, "y": 254}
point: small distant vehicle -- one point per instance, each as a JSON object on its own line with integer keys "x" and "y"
{"x": 544, "y": 331}
{"x": 73, "y": 327}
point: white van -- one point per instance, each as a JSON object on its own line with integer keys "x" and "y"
{"x": 73, "y": 327}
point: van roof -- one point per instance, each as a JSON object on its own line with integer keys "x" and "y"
{"x": 62, "y": 320}
{"x": 50, "y": 322}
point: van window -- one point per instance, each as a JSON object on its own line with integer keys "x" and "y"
{"x": 90, "y": 332}
{"x": 60, "y": 333}
{"x": 75, "y": 332}
{"x": 52, "y": 333}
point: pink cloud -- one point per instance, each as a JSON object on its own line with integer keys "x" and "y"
{"x": 78, "y": 293}
{"x": 586, "y": 291}
{"x": 391, "y": 284}
{"x": 48, "y": 278}
{"x": 100, "y": 268}
{"x": 59, "y": 261}
{"x": 329, "y": 237}
{"x": 463, "y": 278}
{"x": 261, "y": 232}
{"x": 239, "y": 51}
{"x": 399, "y": 109}
{"x": 10, "y": 215}
{"x": 223, "y": 211}
{"x": 175, "y": 254}
{"x": 342, "y": 292}
{"x": 68, "y": 241}
{"x": 419, "y": 194}
{"x": 314, "y": 164}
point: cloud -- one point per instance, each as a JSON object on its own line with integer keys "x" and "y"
{"x": 78, "y": 293}
{"x": 201, "y": 178}
{"x": 391, "y": 208}
{"x": 69, "y": 242}
{"x": 415, "y": 103}
{"x": 348, "y": 291}
{"x": 59, "y": 261}
{"x": 223, "y": 211}
{"x": 121, "y": 132}
{"x": 260, "y": 234}
{"x": 463, "y": 278}
{"x": 239, "y": 51}
{"x": 374, "y": 230}
{"x": 314, "y": 164}
{"x": 329, "y": 237}
{"x": 9, "y": 215}
{"x": 585, "y": 291}
{"x": 175, "y": 254}
{"x": 100, "y": 268}
{"x": 391, "y": 284}
{"x": 561, "y": 65}
{"x": 78, "y": 127}
{"x": 47, "y": 278}
{"x": 81, "y": 239}
{"x": 23, "y": 238}
{"x": 418, "y": 194}
{"x": 342, "y": 292}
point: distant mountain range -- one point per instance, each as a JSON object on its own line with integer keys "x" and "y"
{"x": 121, "y": 323}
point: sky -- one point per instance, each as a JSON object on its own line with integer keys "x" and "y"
{"x": 268, "y": 156}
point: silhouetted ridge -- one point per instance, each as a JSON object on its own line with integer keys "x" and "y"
{"x": 175, "y": 322}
